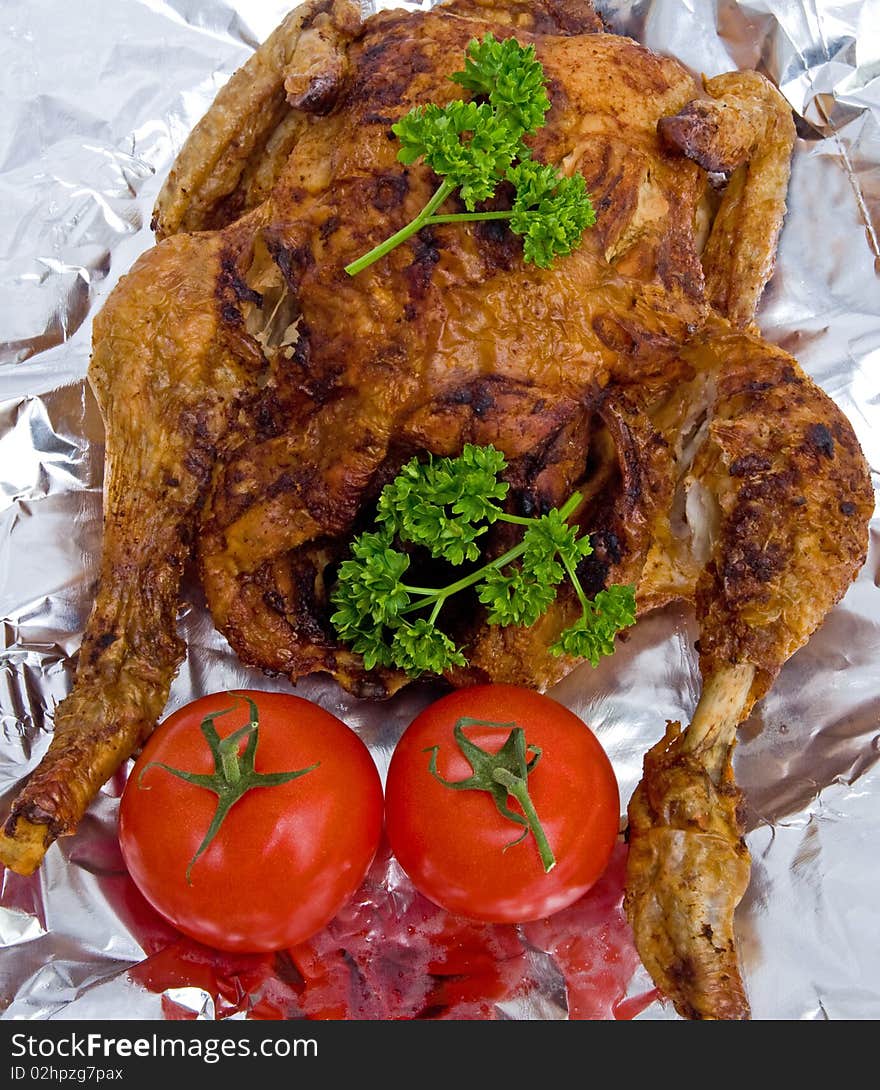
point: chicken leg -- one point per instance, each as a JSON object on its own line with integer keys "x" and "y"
{"x": 784, "y": 491}
{"x": 169, "y": 377}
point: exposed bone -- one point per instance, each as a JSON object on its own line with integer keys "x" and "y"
{"x": 722, "y": 707}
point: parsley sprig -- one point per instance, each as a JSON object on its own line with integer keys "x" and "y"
{"x": 445, "y": 506}
{"x": 474, "y": 146}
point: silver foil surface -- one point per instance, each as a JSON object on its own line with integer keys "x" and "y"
{"x": 98, "y": 97}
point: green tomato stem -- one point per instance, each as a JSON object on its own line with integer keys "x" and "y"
{"x": 234, "y": 773}
{"x": 229, "y": 760}
{"x": 501, "y": 775}
{"x": 516, "y": 786}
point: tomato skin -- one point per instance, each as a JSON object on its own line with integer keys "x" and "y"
{"x": 286, "y": 858}
{"x": 452, "y": 843}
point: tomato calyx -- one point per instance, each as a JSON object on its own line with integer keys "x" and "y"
{"x": 503, "y": 775}
{"x": 234, "y": 773}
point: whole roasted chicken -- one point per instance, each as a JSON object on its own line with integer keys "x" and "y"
{"x": 257, "y": 397}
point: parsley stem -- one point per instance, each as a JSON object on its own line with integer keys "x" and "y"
{"x": 437, "y": 595}
{"x": 466, "y": 581}
{"x": 516, "y": 520}
{"x": 469, "y": 217}
{"x": 413, "y": 227}
{"x": 565, "y": 512}
{"x": 576, "y": 583}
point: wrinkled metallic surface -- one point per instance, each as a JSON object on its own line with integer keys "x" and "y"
{"x": 98, "y": 96}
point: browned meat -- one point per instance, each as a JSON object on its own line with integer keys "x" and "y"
{"x": 257, "y": 397}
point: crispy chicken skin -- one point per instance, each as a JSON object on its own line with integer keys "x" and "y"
{"x": 688, "y": 868}
{"x": 257, "y": 397}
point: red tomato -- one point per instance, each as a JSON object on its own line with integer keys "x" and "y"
{"x": 456, "y": 846}
{"x": 286, "y": 857}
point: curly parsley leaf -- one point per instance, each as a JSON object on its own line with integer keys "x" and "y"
{"x": 510, "y": 77}
{"x": 421, "y": 647}
{"x": 592, "y": 635}
{"x": 548, "y": 537}
{"x": 474, "y": 165}
{"x": 550, "y": 211}
{"x": 445, "y": 504}
{"x": 515, "y": 595}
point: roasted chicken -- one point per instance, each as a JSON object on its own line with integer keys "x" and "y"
{"x": 257, "y": 397}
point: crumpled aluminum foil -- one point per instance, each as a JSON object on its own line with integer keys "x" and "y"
{"x": 99, "y": 96}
